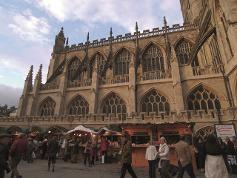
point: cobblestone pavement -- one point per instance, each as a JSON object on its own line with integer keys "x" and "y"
{"x": 68, "y": 170}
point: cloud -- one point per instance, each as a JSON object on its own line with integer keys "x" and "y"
{"x": 122, "y": 12}
{"x": 9, "y": 95}
{"x": 30, "y": 27}
{"x": 21, "y": 62}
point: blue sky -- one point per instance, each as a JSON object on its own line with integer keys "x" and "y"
{"x": 28, "y": 29}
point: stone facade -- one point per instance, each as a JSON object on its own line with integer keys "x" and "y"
{"x": 171, "y": 73}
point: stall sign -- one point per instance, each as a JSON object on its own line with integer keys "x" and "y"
{"x": 225, "y": 130}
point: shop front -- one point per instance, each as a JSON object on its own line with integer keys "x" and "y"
{"x": 141, "y": 135}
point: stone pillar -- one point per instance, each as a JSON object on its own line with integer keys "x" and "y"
{"x": 37, "y": 84}
{"x": 60, "y": 107}
{"x": 177, "y": 86}
{"x": 132, "y": 87}
{"x": 21, "y": 111}
{"x": 94, "y": 90}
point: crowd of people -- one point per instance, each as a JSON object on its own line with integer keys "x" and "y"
{"x": 214, "y": 156}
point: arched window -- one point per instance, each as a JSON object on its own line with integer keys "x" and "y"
{"x": 153, "y": 59}
{"x": 183, "y": 50}
{"x": 113, "y": 104}
{"x": 216, "y": 57}
{"x": 47, "y": 107}
{"x": 202, "y": 99}
{"x": 78, "y": 106}
{"x": 122, "y": 62}
{"x": 101, "y": 61}
{"x": 72, "y": 68}
{"x": 154, "y": 102}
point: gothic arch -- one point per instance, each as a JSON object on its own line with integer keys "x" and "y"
{"x": 181, "y": 39}
{"x": 121, "y": 62}
{"x": 154, "y": 101}
{"x": 123, "y": 48}
{"x": 72, "y": 67}
{"x": 158, "y": 45}
{"x": 183, "y": 50}
{"x": 78, "y": 106}
{"x": 204, "y": 132}
{"x": 101, "y": 62}
{"x": 47, "y": 107}
{"x": 153, "y": 59}
{"x": 202, "y": 98}
{"x": 112, "y": 103}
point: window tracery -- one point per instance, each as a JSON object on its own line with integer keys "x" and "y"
{"x": 154, "y": 102}
{"x": 72, "y": 68}
{"x": 183, "y": 50}
{"x": 152, "y": 59}
{"x": 78, "y": 106}
{"x": 113, "y": 104}
{"x": 202, "y": 99}
{"x": 122, "y": 62}
{"x": 47, "y": 107}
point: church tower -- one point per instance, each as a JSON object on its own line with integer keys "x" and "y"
{"x": 57, "y": 50}
{"x": 191, "y": 10}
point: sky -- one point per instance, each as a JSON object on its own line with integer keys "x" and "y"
{"x": 28, "y": 29}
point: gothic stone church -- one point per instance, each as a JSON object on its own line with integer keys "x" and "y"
{"x": 183, "y": 75}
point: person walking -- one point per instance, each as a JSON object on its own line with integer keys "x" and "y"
{"x": 4, "y": 142}
{"x": 200, "y": 154}
{"x": 214, "y": 164}
{"x": 75, "y": 151}
{"x": 103, "y": 149}
{"x": 87, "y": 152}
{"x": 126, "y": 158}
{"x": 30, "y": 150}
{"x": 44, "y": 148}
{"x": 53, "y": 148}
{"x": 151, "y": 155}
{"x": 184, "y": 158}
{"x": 164, "y": 159}
{"x": 17, "y": 150}
{"x": 93, "y": 153}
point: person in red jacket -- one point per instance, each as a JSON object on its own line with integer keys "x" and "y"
{"x": 103, "y": 149}
{"x": 17, "y": 150}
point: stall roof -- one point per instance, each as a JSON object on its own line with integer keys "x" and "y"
{"x": 82, "y": 129}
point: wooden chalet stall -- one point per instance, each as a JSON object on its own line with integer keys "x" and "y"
{"x": 141, "y": 135}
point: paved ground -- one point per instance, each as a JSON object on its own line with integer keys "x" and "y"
{"x": 68, "y": 170}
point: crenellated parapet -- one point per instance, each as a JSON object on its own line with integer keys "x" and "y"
{"x": 129, "y": 36}
{"x": 187, "y": 116}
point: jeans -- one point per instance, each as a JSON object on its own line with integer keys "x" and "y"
{"x": 87, "y": 158}
{"x": 15, "y": 160}
{"x": 125, "y": 167}
{"x": 188, "y": 168}
{"x": 152, "y": 168}
{"x": 164, "y": 171}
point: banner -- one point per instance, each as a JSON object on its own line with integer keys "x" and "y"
{"x": 225, "y": 130}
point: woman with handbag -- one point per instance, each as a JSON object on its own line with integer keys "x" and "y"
{"x": 164, "y": 160}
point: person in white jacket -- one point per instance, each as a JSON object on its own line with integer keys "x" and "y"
{"x": 151, "y": 155}
{"x": 164, "y": 159}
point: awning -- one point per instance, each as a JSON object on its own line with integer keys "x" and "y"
{"x": 82, "y": 129}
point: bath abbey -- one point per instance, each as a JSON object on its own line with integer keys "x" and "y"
{"x": 170, "y": 79}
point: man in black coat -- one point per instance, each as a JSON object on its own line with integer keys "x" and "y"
{"x": 53, "y": 148}
{"x": 4, "y": 151}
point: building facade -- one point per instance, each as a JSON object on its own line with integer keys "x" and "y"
{"x": 174, "y": 74}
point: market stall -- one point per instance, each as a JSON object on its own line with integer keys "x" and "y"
{"x": 74, "y": 142}
{"x": 141, "y": 135}
{"x": 114, "y": 139}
